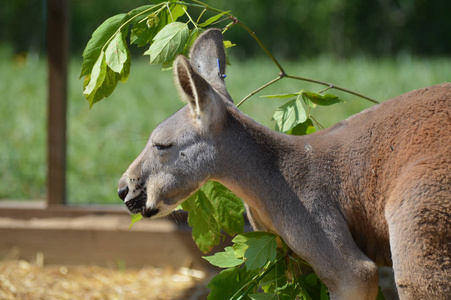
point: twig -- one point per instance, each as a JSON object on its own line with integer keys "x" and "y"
{"x": 189, "y": 17}
{"x": 332, "y": 86}
{"x": 252, "y": 33}
{"x": 259, "y": 89}
{"x": 326, "y": 89}
{"x": 200, "y": 16}
{"x": 257, "y": 278}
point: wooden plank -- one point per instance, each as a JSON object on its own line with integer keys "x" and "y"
{"x": 25, "y": 210}
{"x": 103, "y": 241}
{"x": 57, "y": 56}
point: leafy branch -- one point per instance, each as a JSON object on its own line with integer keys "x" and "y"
{"x": 152, "y": 25}
{"x": 255, "y": 263}
{"x": 282, "y": 73}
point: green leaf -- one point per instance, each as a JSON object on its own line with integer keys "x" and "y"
{"x": 125, "y": 73}
{"x": 227, "y": 283}
{"x": 99, "y": 38}
{"x": 281, "y": 95}
{"x": 311, "y": 279}
{"x": 240, "y": 246}
{"x": 138, "y": 11}
{"x": 117, "y": 53}
{"x": 228, "y": 44}
{"x": 168, "y": 65}
{"x": 289, "y": 115}
{"x": 260, "y": 251}
{"x": 107, "y": 47}
{"x": 380, "y": 295}
{"x": 103, "y": 34}
{"x": 228, "y": 207}
{"x": 113, "y": 65}
{"x": 135, "y": 218}
{"x": 97, "y": 76}
{"x": 212, "y": 208}
{"x": 212, "y": 19}
{"x": 102, "y": 82}
{"x": 225, "y": 259}
{"x": 325, "y": 293}
{"x": 169, "y": 42}
{"x": 108, "y": 85}
{"x": 288, "y": 292}
{"x": 206, "y": 230}
{"x": 276, "y": 277}
{"x": 104, "y": 85}
{"x": 176, "y": 12}
{"x": 313, "y": 99}
{"x": 144, "y": 32}
{"x": 192, "y": 38}
{"x": 311, "y": 287}
{"x": 303, "y": 128}
{"x": 265, "y": 296}
{"x": 240, "y": 240}
{"x": 160, "y": 1}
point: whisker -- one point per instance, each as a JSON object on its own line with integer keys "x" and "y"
{"x": 175, "y": 215}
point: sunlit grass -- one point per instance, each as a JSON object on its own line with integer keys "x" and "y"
{"x": 102, "y": 142}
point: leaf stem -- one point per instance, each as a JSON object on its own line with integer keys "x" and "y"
{"x": 227, "y": 27}
{"x": 259, "y": 277}
{"x": 194, "y": 23}
{"x": 219, "y": 21}
{"x": 332, "y": 86}
{"x": 204, "y": 6}
{"x": 326, "y": 89}
{"x": 317, "y": 123}
{"x": 201, "y": 14}
{"x": 252, "y": 33}
{"x": 201, "y": 3}
{"x": 259, "y": 89}
{"x": 169, "y": 11}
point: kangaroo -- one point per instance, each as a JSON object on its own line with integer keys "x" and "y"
{"x": 373, "y": 189}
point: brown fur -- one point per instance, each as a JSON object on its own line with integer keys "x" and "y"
{"x": 375, "y": 188}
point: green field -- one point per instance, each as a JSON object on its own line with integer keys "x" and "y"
{"x": 102, "y": 142}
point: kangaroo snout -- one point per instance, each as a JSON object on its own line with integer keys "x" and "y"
{"x": 135, "y": 198}
{"x": 122, "y": 192}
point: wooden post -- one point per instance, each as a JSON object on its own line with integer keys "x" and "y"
{"x": 57, "y": 56}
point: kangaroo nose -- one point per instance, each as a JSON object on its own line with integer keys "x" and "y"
{"x": 123, "y": 193}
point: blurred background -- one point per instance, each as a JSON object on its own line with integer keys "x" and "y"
{"x": 380, "y": 48}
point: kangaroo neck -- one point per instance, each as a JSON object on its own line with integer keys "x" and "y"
{"x": 255, "y": 166}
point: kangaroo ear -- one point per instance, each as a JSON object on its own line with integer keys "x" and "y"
{"x": 209, "y": 60}
{"x": 194, "y": 89}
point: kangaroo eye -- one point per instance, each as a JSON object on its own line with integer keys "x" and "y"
{"x": 162, "y": 146}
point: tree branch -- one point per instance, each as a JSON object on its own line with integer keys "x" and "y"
{"x": 259, "y": 89}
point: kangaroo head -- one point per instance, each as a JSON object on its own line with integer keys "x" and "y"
{"x": 180, "y": 153}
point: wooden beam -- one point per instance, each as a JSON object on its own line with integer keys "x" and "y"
{"x": 26, "y": 210}
{"x": 103, "y": 240}
{"x": 57, "y": 57}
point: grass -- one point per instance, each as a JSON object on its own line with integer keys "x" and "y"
{"x": 102, "y": 142}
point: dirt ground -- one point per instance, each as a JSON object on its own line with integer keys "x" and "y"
{"x": 22, "y": 280}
